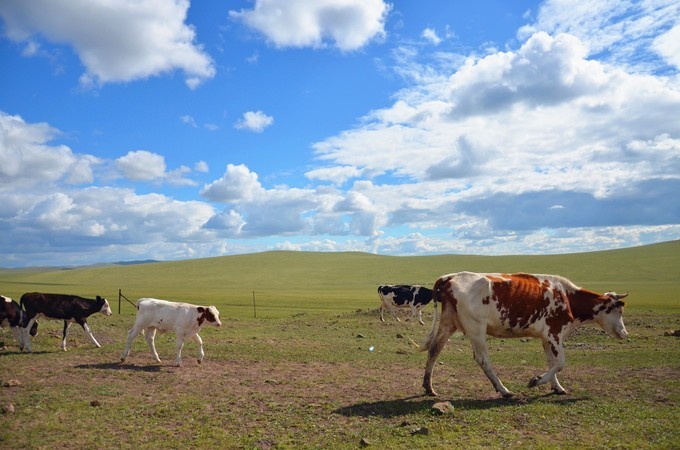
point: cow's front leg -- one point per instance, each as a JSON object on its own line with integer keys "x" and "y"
{"x": 86, "y": 327}
{"x": 481, "y": 354}
{"x": 67, "y": 325}
{"x": 554, "y": 353}
{"x": 132, "y": 334}
{"x": 179, "y": 344}
{"x": 201, "y": 353}
{"x": 150, "y": 334}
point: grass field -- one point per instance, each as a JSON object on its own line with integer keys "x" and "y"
{"x": 301, "y": 375}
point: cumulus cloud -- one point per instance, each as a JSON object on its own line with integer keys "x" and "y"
{"x": 116, "y": 41}
{"x": 237, "y": 183}
{"x": 500, "y": 141}
{"x": 255, "y": 121}
{"x": 25, "y": 149}
{"x": 348, "y": 24}
{"x": 621, "y": 32}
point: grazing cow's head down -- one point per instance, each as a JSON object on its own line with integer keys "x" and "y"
{"x": 610, "y": 315}
{"x": 209, "y": 314}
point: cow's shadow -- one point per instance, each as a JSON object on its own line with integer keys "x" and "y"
{"x": 120, "y": 366}
{"x": 403, "y": 406}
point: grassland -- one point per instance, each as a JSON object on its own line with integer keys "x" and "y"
{"x": 300, "y": 375}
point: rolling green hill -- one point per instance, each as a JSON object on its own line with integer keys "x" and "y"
{"x": 284, "y": 283}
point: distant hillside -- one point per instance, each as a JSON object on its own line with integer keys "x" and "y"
{"x": 349, "y": 277}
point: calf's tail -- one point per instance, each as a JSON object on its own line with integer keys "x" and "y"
{"x": 433, "y": 332}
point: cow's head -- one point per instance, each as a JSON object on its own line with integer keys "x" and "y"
{"x": 210, "y": 315}
{"x": 106, "y": 309}
{"x": 610, "y": 314}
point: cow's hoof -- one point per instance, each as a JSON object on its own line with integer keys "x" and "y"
{"x": 559, "y": 392}
{"x": 431, "y": 393}
{"x": 200, "y": 361}
{"x": 534, "y": 381}
{"x": 508, "y": 395}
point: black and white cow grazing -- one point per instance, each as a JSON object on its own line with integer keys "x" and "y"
{"x": 13, "y": 316}
{"x": 184, "y": 319}
{"x": 69, "y": 308}
{"x": 404, "y": 296}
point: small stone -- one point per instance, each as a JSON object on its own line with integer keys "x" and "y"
{"x": 420, "y": 430}
{"x": 442, "y": 408}
{"x": 360, "y": 336}
{"x": 95, "y": 403}
{"x": 364, "y": 442}
{"x": 8, "y": 408}
{"x": 12, "y": 383}
{"x": 672, "y": 333}
{"x": 400, "y": 336}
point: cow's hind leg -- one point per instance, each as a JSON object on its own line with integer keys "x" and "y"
{"x": 554, "y": 353}
{"x": 179, "y": 344}
{"x": 86, "y": 327}
{"x": 67, "y": 325}
{"x": 201, "y": 353}
{"x": 481, "y": 354}
{"x": 434, "y": 348}
{"x": 27, "y": 335}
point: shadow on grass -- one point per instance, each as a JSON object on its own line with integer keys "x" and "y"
{"x": 400, "y": 407}
{"x": 120, "y": 366}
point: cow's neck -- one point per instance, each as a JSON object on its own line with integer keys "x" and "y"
{"x": 583, "y": 304}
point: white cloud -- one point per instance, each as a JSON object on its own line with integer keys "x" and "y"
{"x": 116, "y": 41}
{"x": 337, "y": 175}
{"x": 430, "y": 34}
{"x": 621, "y": 32}
{"x": 188, "y": 120}
{"x": 255, "y": 121}
{"x": 238, "y": 183}
{"x": 25, "y": 149}
{"x": 502, "y": 140}
{"x": 668, "y": 46}
{"x": 349, "y": 24}
{"x": 142, "y": 165}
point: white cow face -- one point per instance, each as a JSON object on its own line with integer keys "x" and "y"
{"x": 611, "y": 316}
{"x": 106, "y": 309}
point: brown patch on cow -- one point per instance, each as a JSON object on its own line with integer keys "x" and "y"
{"x": 585, "y": 305}
{"x": 520, "y": 299}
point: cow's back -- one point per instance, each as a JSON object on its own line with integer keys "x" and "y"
{"x": 163, "y": 314}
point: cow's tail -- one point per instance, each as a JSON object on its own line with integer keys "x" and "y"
{"x": 436, "y": 298}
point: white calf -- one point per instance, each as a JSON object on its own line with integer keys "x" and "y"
{"x": 184, "y": 319}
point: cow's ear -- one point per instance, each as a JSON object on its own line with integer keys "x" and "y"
{"x": 98, "y": 298}
{"x": 201, "y": 309}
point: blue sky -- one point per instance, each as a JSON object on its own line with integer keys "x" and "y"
{"x": 169, "y": 129}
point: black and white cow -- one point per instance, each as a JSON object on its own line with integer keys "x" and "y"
{"x": 404, "y": 296}
{"x": 69, "y": 308}
{"x": 14, "y": 317}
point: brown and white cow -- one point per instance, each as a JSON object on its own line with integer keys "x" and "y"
{"x": 69, "y": 308}
{"x": 548, "y": 307}
{"x": 184, "y": 319}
